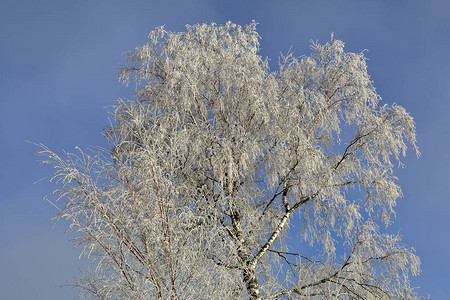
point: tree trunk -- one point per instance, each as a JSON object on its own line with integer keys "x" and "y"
{"x": 251, "y": 282}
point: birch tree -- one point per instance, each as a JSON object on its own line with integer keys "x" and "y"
{"x": 226, "y": 180}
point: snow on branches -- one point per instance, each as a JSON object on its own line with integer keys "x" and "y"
{"x": 226, "y": 180}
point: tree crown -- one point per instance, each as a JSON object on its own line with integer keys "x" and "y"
{"x": 220, "y": 163}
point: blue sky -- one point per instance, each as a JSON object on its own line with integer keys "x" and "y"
{"x": 58, "y": 75}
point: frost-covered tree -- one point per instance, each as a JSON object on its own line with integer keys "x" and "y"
{"x": 225, "y": 180}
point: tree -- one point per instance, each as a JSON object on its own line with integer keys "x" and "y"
{"x": 225, "y": 180}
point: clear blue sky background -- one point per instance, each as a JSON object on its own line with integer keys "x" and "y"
{"x": 58, "y": 74}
